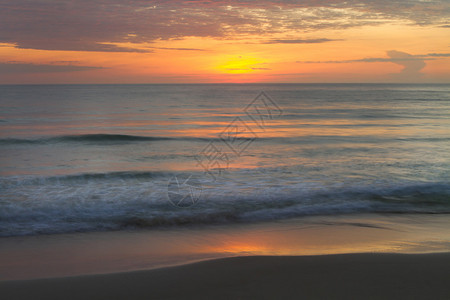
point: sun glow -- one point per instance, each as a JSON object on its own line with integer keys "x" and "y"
{"x": 241, "y": 65}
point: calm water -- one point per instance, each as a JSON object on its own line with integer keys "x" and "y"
{"x": 108, "y": 157}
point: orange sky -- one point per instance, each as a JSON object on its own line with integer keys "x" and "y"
{"x": 223, "y": 41}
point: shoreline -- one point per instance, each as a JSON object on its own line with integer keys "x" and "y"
{"x": 338, "y": 276}
{"x": 53, "y": 256}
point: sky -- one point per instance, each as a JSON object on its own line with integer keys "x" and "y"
{"x": 236, "y": 41}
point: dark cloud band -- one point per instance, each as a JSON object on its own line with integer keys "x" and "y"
{"x": 95, "y": 25}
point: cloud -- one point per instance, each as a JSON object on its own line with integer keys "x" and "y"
{"x": 394, "y": 57}
{"x": 439, "y": 54}
{"x": 19, "y": 68}
{"x": 412, "y": 65}
{"x": 65, "y": 62}
{"x": 299, "y": 41}
{"x": 179, "y": 49}
{"x": 97, "y": 25}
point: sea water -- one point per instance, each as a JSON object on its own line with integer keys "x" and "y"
{"x": 76, "y": 158}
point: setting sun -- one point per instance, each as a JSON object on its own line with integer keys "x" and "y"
{"x": 241, "y": 65}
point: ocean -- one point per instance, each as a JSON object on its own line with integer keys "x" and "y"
{"x": 81, "y": 158}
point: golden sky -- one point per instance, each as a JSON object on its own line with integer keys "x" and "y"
{"x": 137, "y": 41}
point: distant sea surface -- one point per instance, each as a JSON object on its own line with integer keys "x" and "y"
{"x": 77, "y": 158}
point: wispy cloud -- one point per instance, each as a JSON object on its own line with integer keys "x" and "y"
{"x": 178, "y": 49}
{"x": 438, "y": 54}
{"x": 299, "y": 41}
{"x": 393, "y": 56}
{"x": 18, "y": 68}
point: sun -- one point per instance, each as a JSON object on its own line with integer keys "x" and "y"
{"x": 240, "y": 65}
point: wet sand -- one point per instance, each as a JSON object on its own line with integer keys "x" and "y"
{"x": 343, "y": 276}
{"x": 78, "y": 254}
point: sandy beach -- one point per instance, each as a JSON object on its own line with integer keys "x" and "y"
{"x": 347, "y": 276}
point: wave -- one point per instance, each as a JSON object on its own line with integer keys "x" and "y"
{"x": 94, "y": 138}
{"x": 83, "y": 178}
{"x": 114, "y": 139}
{"x": 124, "y": 200}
